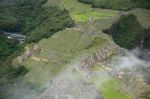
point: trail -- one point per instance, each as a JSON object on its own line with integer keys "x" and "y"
{"x": 39, "y": 59}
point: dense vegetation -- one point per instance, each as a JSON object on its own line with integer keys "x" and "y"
{"x": 31, "y": 19}
{"x": 142, "y": 3}
{"x": 26, "y": 17}
{"x": 9, "y": 48}
{"x": 53, "y": 21}
{"x": 118, "y": 4}
{"x": 127, "y": 32}
{"x": 18, "y": 17}
{"x": 146, "y": 44}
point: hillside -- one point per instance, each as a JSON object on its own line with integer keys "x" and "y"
{"x": 74, "y": 51}
{"x": 118, "y": 4}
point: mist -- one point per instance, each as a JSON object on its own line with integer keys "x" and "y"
{"x": 21, "y": 90}
{"x": 135, "y": 62}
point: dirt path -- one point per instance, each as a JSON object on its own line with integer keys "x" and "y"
{"x": 39, "y": 59}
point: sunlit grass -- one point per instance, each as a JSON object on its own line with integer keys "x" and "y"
{"x": 111, "y": 90}
{"x": 83, "y": 17}
{"x": 108, "y": 86}
{"x": 82, "y": 12}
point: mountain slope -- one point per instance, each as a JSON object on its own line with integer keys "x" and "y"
{"x": 75, "y": 61}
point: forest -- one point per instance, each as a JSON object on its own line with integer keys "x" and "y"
{"x": 118, "y": 4}
{"x": 128, "y": 33}
{"x": 31, "y": 19}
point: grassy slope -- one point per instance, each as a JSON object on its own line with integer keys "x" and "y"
{"x": 82, "y": 12}
{"x": 65, "y": 45}
{"x": 108, "y": 85}
{"x": 111, "y": 90}
{"x": 59, "y": 50}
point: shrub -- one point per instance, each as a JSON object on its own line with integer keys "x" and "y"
{"x": 118, "y": 4}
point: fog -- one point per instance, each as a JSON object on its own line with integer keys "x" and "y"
{"x": 136, "y": 61}
{"x": 131, "y": 59}
{"x": 20, "y": 90}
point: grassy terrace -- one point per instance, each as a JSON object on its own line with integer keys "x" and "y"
{"x": 82, "y": 12}
{"x": 111, "y": 90}
{"x": 108, "y": 86}
{"x": 59, "y": 50}
{"x": 68, "y": 44}
{"x": 83, "y": 17}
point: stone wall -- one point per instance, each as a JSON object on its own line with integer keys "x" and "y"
{"x": 101, "y": 56}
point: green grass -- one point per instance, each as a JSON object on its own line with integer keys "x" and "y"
{"x": 53, "y": 3}
{"x": 60, "y": 49}
{"x": 40, "y": 72}
{"x": 111, "y": 90}
{"x": 82, "y": 12}
{"x": 83, "y": 17}
{"x": 97, "y": 67}
{"x": 75, "y": 7}
{"x": 108, "y": 86}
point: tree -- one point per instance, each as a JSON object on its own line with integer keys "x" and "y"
{"x": 127, "y": 32}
